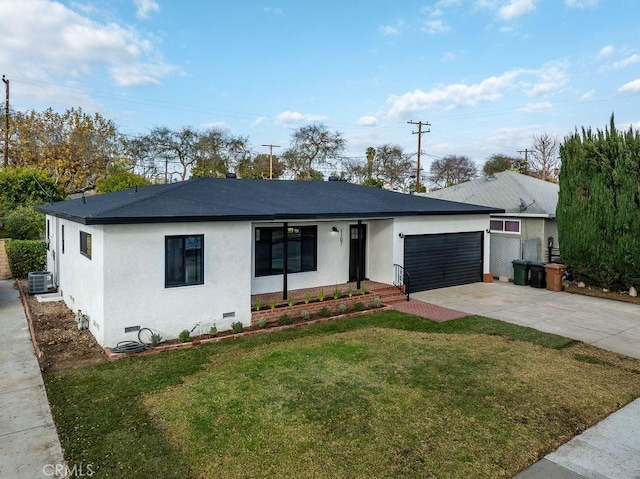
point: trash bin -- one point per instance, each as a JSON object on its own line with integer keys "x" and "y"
{"x": 555, "y": 272}
{"x": 537, "y": 276}
{"x": 520, "y": 272}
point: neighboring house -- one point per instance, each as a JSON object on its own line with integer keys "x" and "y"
{"x": 528, "y": 223}
{"x": 169, "y": 257}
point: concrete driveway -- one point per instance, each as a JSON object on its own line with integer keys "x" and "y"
{"x": 605, "y": 323}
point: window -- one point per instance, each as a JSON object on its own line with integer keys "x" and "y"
{"x": 62, "y": 239}
{"x": 301, "y": 250}
{"x": 85, "y": 244}
{"x": 48, "y": 234}
{"x": 505, "y": 226}
{"x": 184, "y": 260}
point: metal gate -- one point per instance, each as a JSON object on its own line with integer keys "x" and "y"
{"x": 503, "y": 251}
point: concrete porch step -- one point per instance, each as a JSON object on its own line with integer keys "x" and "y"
{"x": 390, "y": 295}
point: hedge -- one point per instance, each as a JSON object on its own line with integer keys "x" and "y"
{"x": 26, "y": 256}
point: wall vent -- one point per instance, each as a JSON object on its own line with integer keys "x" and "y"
{"x": 232, "y": 314}
{"x": 131, "y": 329}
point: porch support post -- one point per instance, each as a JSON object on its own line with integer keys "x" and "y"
{"x": 360, "y": 256}
{"x": 285, "y": 259}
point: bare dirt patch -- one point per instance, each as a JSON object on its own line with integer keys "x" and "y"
{"x": 599, "y": 293}
{"x": 63, "y": 345}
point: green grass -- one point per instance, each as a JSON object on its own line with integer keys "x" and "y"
{"x": 380, "y": 395}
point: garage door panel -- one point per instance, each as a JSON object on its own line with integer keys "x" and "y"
{"x": 438, "y": 261}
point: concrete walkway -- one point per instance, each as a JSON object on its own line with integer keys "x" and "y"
{"x": 29, "y": 444}
{"x": 610, "y": 449}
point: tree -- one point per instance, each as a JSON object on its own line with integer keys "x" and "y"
{"x": 259, "y": 167}
{"x": 598, "y": 210}
{"x": 120, "y": 178}
{"x": 312, "y": 146}
{"x": 498, "y": 162}
{"x": 544, "y": 161}
{"x": 451, "y": 170}
{"x": 73, "y": 147}
{"x": 387, "y": 166}
{"x": 26, "y": 187}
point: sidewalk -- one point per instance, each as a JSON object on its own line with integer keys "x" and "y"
{"x": 29, "y": 444}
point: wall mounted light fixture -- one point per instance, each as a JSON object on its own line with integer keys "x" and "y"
{"x": 334, "y": 229}
{"x": 401, "y": 235}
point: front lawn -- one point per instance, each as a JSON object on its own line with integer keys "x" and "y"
{"x": 381, "y": 395}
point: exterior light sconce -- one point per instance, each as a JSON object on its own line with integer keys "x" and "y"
{"x": 401, "y": 235}
{"x": 334, "y": 229}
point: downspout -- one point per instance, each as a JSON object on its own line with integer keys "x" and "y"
{"x": 359, "y": 259}
{"x": 285, "y": 259}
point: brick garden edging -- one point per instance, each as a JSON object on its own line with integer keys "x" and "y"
{"x": 294, "y": 312}
{"x": 197, "y": 342}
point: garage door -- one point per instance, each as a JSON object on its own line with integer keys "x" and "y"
{"x": 438, "y": 261}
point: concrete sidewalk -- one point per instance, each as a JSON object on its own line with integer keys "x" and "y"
{"x": 610, "y": 449}
{"x": 29, "y": 444}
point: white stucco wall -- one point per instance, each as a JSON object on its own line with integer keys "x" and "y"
{"x": 418, "y": 225}
{"x": 134, "y": 280}
{"x": 80, "y": 279}
{"x": 380, "y": 251}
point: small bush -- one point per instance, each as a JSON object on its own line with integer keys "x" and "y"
{"x": 213, "y": 331}
{"x": 262, "y": 322}
{"x": 350, "y": 291}
{"x": 337, "y": 293}
{"x": 305, "y": 315}
{"x": 363, "y": 291}
{"x": 321, "y": 295}
{"x": 156, "y": 338}
{"x": 237, "y": 327}
{"x": 184, "y": 336}
{"x": 291, "y": 301}
{"x": 377, "y": 302}
{"x": 284, "y": 319}
{"x": 358, "y": 307}
{"x": 258, "y": 304}
{"x": 273, "y": 303}
{"x": 24, "y": 223}
{"x": 307, "y": 298}
{"x": 324, "y": 312}
{"x": 342, "y": 308}
{"x": 25, "y": 256}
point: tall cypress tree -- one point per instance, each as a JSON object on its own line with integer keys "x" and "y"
{"x": 598, "y": 210}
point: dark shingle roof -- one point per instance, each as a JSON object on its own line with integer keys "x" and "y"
{"x": 211, "y": 199}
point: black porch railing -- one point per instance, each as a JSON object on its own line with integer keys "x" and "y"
{"x": 401, "y": 279}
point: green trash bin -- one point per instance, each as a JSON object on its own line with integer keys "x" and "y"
{"x": 520, "y": 272}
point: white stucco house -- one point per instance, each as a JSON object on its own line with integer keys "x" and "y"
{"x": 168, "y": 257}
{"x": 527, "y": 226}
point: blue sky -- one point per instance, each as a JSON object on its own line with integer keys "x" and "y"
{"x": 487, "y": 74}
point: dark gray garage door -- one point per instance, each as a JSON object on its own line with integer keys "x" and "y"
{"x": 438, "y": 261}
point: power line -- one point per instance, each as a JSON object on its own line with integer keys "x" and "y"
{"x": 419, "y": 133}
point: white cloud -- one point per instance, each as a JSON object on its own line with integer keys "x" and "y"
{"x": 368, "y": 120}
{"x": 632, "y": 86}
{"x": 274, "y": 11}
{"x": 537, "y": 107}
{"x": 448, "y": 57}
{"x": 288, "y": 117}
{"x": 581, "y": 3}
{"x": 550, "y": 79}
{"x": 606, "y": 51}
{"x": 434, "y": 23}
{"x": 389, "y": 31}
{"x": 516, "y": 8}
{"x": 145, "y": 7}
{"x": 588, "y": 95}
{"x": 63, "y": 43}
{"x": 456, "y": 95}
{"x": 630, "y": 60}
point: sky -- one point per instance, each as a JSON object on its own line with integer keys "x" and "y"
{"x": 487, "y": 75}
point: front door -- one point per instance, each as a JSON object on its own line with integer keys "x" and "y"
{"x": 357, "y": 249}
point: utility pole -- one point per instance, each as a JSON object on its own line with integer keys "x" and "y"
{"x": 271, "y": 147}
{"x": 526, "y": 152}
{"x": 419, "y": 133}
{"x": 5, "y": 162}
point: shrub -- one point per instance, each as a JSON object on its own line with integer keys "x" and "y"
{"x": 258, "y": 304}
{"x": 284, "y": 319}
{"x": 321, "y": 295}
{"x": 337, "y": 293}
{"x": 237, "y": 327}
{"x": 358, "y": 306}
{"x": 273, "y": 303}
{"x": 26, "y": 186}
{"x": 25, "y": 256}
{"x": 262, "y": 322}
{"x": 304, "y": 314}
{"x": 24, "y": 223}
{"x": 324, "y": 312}
{"x": 184, "y": 336}
{"x": 156, "y": 338}
{"x": 291, "y": 301}
{"x": 377, "y": 302}
{"x": 213, "y": 331}
{"x": 342, "y": 308}
{"x": 350, "y": 291}
{"x": 307, "y": 298}
{"x": 363, "y": 291}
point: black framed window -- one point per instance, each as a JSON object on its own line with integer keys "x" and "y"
{"x": 62, "y": 239}
{"x": 302, "y": 247}
{"x": 184, "y": 260}
{"x": 85, "y": 244}
{"x": 48, "y": 233}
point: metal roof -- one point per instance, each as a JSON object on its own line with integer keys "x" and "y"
{"x": 516, "y": 193}
{"x": 214, "y": 199}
